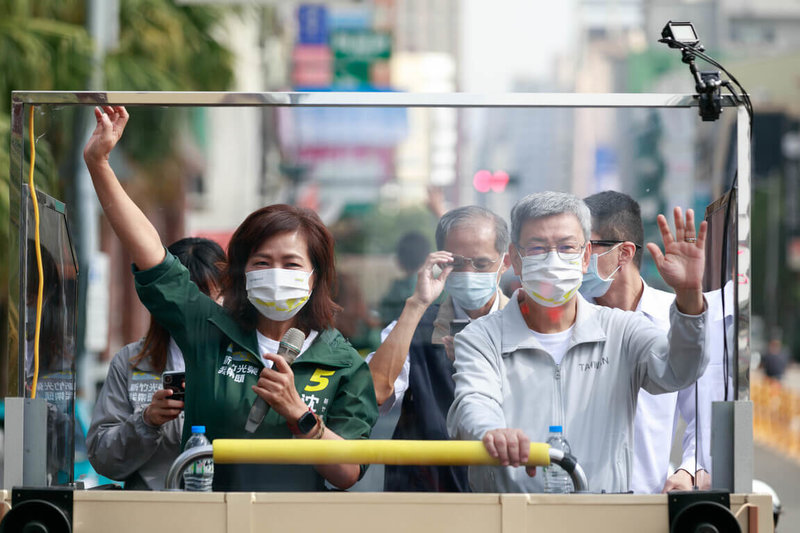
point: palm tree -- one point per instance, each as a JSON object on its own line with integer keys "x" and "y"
{"x": 44, "y": 46}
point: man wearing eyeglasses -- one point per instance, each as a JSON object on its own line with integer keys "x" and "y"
{"x": 551, "y": 358}
{"x": 412, "y": 364}
{"x": 613, "y": 280}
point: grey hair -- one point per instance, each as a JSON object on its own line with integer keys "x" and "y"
{"x": 462, "y": 215}
{"x": 546, "y": 204}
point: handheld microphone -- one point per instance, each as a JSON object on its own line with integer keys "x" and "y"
{"x": 289, "y": 348}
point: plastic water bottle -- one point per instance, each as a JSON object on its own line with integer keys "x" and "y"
{"x": 198, "y": 476}
{"x": 556, "y": 479}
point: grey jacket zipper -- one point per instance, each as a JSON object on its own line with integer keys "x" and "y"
{"x": 558, "y": 400}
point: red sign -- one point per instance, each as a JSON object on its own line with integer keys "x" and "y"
{"x": 312, "y": 66}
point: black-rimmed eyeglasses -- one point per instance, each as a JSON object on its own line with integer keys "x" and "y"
{"x": 606, "y": 242}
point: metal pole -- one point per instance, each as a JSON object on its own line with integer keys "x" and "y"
{"x": 743, "y": 283}
{"x": 103, "y": 26}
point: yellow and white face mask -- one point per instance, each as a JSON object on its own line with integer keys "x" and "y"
{"x": 550, "y": 280}
{"x": 278, "y": 293}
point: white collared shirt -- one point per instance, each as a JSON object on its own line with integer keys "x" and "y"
{"x": 657, "y": 415}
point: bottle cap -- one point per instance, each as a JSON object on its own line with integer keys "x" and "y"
{"x": 198, "y": 429}
{"x": 553, "y": 429}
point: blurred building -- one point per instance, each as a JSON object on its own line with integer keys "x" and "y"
{"x": 327, "y": 158}
{"x": 759, "y": 43}
{"x": 426, "y": 26}
{"x": 426, "y": 40}
{"x": 755, "y": 29}
{"x": 619, "y": 52}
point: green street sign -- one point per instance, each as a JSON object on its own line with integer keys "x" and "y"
{"x": 355, "y": 54}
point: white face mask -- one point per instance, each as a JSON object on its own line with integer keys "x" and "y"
{"x": 551, "y": 281}
{"x": 278, "y": 293}
{"x": 471, "y": 290}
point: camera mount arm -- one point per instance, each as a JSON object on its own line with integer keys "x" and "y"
{"x": 708, "y": 84}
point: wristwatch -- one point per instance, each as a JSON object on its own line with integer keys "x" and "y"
{"x": 304, "y": 424}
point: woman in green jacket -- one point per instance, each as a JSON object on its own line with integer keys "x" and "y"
{"x": 279, "y": 276}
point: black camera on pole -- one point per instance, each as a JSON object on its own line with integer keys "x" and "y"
{"x": 681, "y": 35}
{"x": 708, "y": 84}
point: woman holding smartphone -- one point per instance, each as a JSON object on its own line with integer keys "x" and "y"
{"x": 279, "y": 275}
{"x": 135, "y": 433}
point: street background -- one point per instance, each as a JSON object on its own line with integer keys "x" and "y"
{"x": 377, "y": 174}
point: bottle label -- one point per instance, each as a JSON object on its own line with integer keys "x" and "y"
{"x": 204, "y": 466}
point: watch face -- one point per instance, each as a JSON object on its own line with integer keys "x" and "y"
{"x": 306, "y": 422}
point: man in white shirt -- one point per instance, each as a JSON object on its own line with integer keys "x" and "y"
{"x": 411, "y": 365}
{"x": 516, "y": 375}
{"x": 613, "y": 280}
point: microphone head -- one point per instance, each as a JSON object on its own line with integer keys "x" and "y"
{"x": 292, "y": 341}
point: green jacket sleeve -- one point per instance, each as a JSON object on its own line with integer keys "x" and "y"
{"x": 354, "y": 410}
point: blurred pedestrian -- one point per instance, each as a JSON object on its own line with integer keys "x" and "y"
{"x": 775, "y": 361}
{"x": 410, "y": 253}
{"x": 355, "y": 321}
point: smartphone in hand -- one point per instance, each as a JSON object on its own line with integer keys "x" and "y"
{"x": 457, "y": 324}
{"x": 175, "y": 380}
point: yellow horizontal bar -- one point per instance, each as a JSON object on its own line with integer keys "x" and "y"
{"x": 388, "y": 452}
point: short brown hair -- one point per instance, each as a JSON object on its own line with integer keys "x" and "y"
{"x": 264, "y": 224}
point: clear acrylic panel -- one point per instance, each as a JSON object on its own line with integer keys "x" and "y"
{"x": 55, "y": 381}
{"x": 374, "y": 174}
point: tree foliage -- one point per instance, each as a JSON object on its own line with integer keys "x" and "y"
{"x": 167, "y": 48}
{"x": 44, "y": 45}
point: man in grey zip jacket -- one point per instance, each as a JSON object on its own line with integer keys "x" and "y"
{"x": 121, "y": 444}
{"x": 550, "y": 357}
